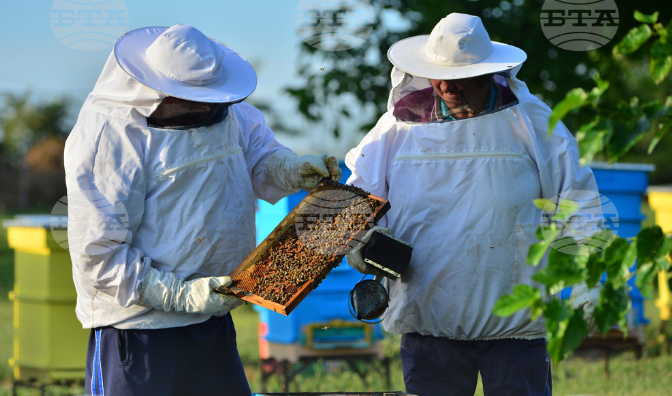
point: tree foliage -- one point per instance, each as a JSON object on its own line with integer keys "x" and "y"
{"x": 613, "y": 131}
{"x": 23, "y": 122}
{"x": 361, "y": 74}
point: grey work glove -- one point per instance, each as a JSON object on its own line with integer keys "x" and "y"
{"x": 355, "y": 259}
{"x": 588, "y": 299}
{"x": 290, "y": 172}
{"x": 166, "y": 292}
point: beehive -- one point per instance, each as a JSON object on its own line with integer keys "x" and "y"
{"x": 308, "y": 243}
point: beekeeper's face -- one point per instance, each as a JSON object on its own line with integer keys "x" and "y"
{"x": 176, "y": 112}
{"x": 467, "y": 96}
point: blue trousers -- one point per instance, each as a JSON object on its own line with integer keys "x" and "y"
{"x": 200, "y": 359}
{"x": 436, "y": 366}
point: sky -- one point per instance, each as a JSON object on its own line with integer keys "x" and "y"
{"x": 39, "y": 47}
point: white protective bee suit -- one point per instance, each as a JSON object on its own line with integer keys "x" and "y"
{"x": 181, "y": 201}
{"x": 461, "y": 192}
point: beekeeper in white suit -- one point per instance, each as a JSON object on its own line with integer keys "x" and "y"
{"x": 460, "y": 154}
{"x": 162, "y": 169}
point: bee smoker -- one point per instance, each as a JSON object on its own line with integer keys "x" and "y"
{"x": 389, "y": 257}
{"x": 369, "y": 300}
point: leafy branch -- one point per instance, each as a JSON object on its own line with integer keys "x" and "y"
{"x": 565, "y": 327}
{"x": 612, "y": 132}
{"x": 615, "y": 131}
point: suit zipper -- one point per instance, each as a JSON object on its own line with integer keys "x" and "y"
{"x": 208, "y": 158}
{"x": 459, "y": 156}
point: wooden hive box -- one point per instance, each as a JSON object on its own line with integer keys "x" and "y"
{"x": 308, "y": 243}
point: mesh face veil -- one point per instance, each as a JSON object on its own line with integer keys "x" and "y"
{"x": 416, "y": 100}
{"x": 175, "y": 113}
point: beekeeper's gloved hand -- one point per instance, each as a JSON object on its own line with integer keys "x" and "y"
{"x": 355, "y": 259}
{"x": 165, "y": 291}
{"x": 290, "y": 172}
{"x": 588, "y": 299}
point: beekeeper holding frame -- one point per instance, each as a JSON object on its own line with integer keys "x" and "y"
{"x": 162, "y": 170}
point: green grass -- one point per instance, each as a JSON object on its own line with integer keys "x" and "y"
{"x": 6, "y": 334}
{"x": 651, "y": 376}
{"x": 6, "y": 261}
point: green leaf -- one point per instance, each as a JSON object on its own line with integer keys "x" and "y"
{"x": 547, "y": 233}
{"x": 598, "y": 90}
{"x": 633, "y": 40}
{"x": 631, "y": 255}
{"x": 619, "y": 257}
{"x": 642, "y": 125}
{"x": 654, "y": 109}
{"x": 613, "y": 308}
{"x": 544, "y": 204}
{"x": 560, "y": 260}
{"x": 643, "y": 18}
{"x": 523, "y": 296}
{"x": 563, "y": 270}
{"x": 664, "y": 249}
{"x": 537, "y": 309}
{"x": 660, "y": 64}
{"x": 592, "y": 138}
{"x": 574, "y": 333}
{"x": 557, "y": 314}
{"x": 595, "y": 268}
{"x": 662, "y": 263}
{"x": 602, "y": 85}
{"x": 536, "y": 252}
{"x": 646, "y": 291}
{"x": 591, "y": 143}
{"x": 573, "y": 100}
{"x": 624, "y": 137}
{"x": 566, "y": 208}
{"x": 556, "y": 279}
{"x": 652, "y": 251}
{"x": 645, "y": 275}
{"x": 660, "y": 133}
{"x": 649, "y": 239}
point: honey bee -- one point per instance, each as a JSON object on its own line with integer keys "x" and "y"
{"x": 198, "y": 239}
{"x": 321, "y": 68}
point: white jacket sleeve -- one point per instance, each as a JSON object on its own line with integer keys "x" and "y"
{"x": 106, "y": 184}
{"x": 258, "y": 143}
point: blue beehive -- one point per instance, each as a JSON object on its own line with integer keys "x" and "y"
{"x": 624, "y": 185}
{"x": 325, "y": 304}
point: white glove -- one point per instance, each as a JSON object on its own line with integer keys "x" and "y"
{"x": 355, "y": 259}
{"x": 588, "y": 299}
{"x": 290, "y": 172}
{"x": 165, "y": 291}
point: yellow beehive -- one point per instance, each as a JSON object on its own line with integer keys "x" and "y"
{"x": 49, "y": 342}
{"x": 660, "y": 200}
